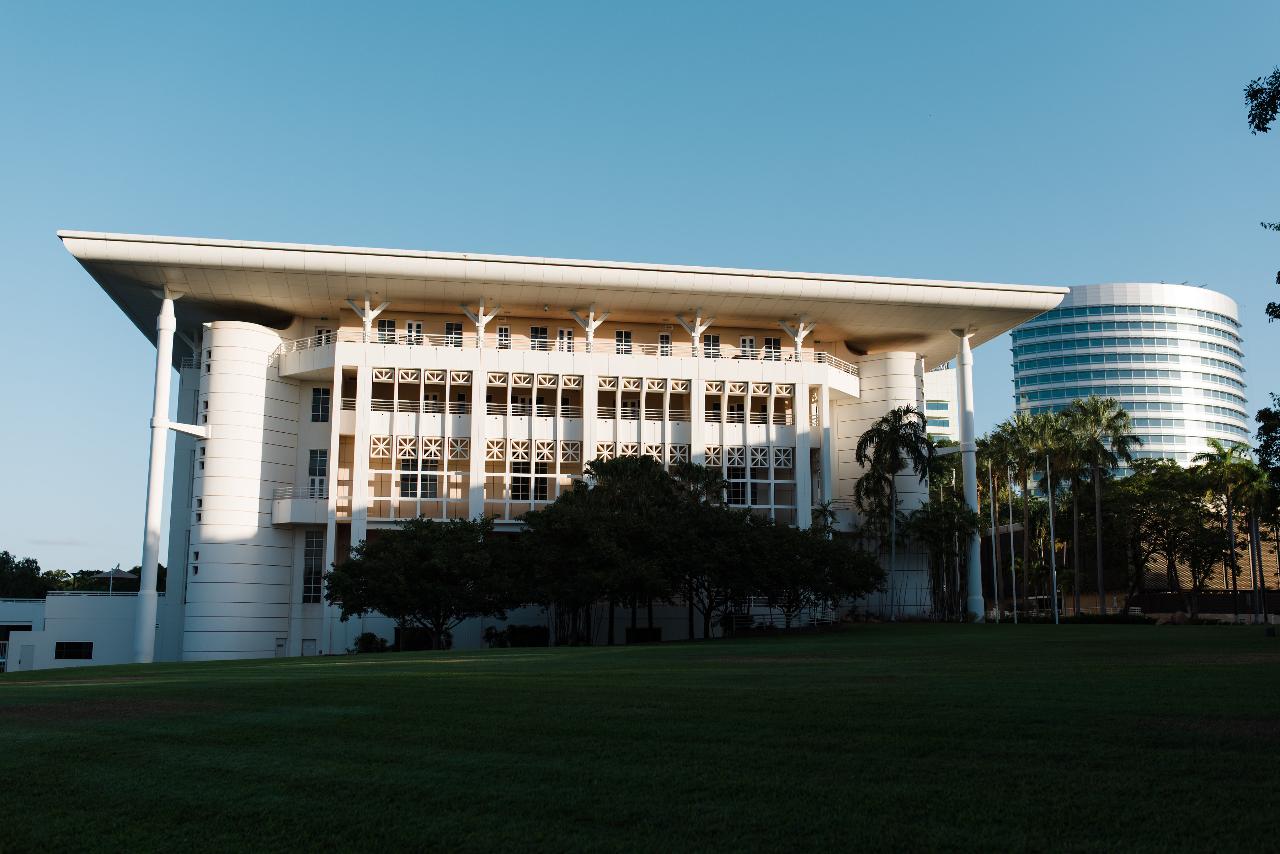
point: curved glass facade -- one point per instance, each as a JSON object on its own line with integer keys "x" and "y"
{"x": 1171, "y": 354}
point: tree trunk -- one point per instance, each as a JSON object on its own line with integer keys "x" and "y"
{"x": 995, "y": 545}
{"x": 1231, "y": 557}
{"x": 893, "y": 545}
{"x": 1026, "y": 535}
{"x": 1075, "y": 544}
{"x": 1097, "y": 522}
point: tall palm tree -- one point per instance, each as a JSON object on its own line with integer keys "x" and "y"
{"x": 1071, "y": 464}
{"x": 1023, "y": 432}
{"x": 1049, "y": 435}
{"x": 1103, "y": 429}
{"x": 1224, "y": 466}
{"x": 895, "y": 441}
{"x": 1255, "y": 492}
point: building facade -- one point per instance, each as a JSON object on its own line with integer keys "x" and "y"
{"x": 325, "y": 392}
{"x": 1172, "y": 355}
{"x": 942, "y": 416}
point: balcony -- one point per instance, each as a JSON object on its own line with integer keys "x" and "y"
{"x": 300, "y": 507}
{"x": 292, "y": 355}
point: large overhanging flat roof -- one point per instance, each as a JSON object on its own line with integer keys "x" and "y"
{"x": 270, "y": 283}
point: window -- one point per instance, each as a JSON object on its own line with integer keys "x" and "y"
{"x": 504, "y": 337}
{"x": 538, "y": 338}
{"x": 773, "y": 349}
{"x": 936, "y": 405}
{"x": 711, "y": 346}
{"x": 452, "y": 334}
{"x": 413, "y": 332}
{"x": 564, "y": 340}
{"x": 312, "y": 567}
{"x": 664, "y": 344}
{"x": 79, "y": 650}
{"x": 320, "y": 398}
{"x": 747, "y": 344}
{"x": 520, "y": 485}
{"x": 540, "y": 485}
{"x": 387, "y": 331}
{"x": 318, "y": 473}
{"x": 324, "y": 335}
{"x": 622, "y": 342}
{"x": 408, "y": 478}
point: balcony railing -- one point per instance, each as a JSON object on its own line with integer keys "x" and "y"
{"x": 283, "y": 492}
{"x": 604, "y": 346}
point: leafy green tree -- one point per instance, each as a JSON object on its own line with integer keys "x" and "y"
{"x": 424, "y": 574}
{"x": 20, "y": 578}
{"x": 1225, "y": 467}
{"x": 943, "y": 526}
{"x": 1262, "y": 94}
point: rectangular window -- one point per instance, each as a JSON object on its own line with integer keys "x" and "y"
{"x": 408, "y": 478}
{"x": 320, "y": 398}
{"x": 318, "y": 473}
{"x": 538, "y": 338}
{"x": 324, "y": 335}
{"x": 413, "y": 332}
{"x": 622, "y": 342}
{"x": 773, "y": 349}
{"x": 387, "y": 331}
{"x": 664, "y": 344}
{"x": 312, "y": 567}
{"x": 936, "y": 405}
{"x": 73, "y": 650}
{"x": 540, "y": 484}
{"x": 504, "y": 337}
{"x": 520, "y": 485}
{"x": 747, "y": 346}
{"x": 564, "y": 340}
{"x": 452, "y": 334}
{"x": 711, "y": 346}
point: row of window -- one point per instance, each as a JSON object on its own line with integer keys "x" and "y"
{"x": 540, "y": 339}
{"x": 1106, "y": 310}
{"x": 1124, "y": 359}
{"x": 1143, "y": 423}
{"x": 1113, "y": 342}
{"x": 937, "y": 405}
{"x": 1027, "y": 332}
{"x": 1124, "y": 374}
{"x": 1113, "y": 391}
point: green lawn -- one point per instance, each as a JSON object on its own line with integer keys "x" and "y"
{"x": 899, "y": 737}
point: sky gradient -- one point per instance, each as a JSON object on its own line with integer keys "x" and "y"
{"x": 1007, "y": 143}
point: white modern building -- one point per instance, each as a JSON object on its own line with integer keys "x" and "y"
{"x": 942, "y": 419}
{"x": 327, "y": 391}
{"x": 1172, "y": 355}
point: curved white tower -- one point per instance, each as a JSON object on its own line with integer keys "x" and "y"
{"x": 238, "y": 589}
{"x": 1171, "y": 354}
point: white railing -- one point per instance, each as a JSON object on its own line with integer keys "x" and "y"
{"x": 426, "y": 407}
{"x": 604, "y": 346}
{"x": 305, "y": 492}
{"x": 189, "y": 362}
{"x": 95, "y": 593}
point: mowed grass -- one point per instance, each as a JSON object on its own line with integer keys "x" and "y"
{"x": 907, "y": 737}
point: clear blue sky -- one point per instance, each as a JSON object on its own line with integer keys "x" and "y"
{"x": 1002, "y": 142}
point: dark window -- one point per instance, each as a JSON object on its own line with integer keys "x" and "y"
{"x": 312, "y": 566}
{"x": 80, "y": 650}
{"x": 452, "y": 334}
{"x": 320, "y": 404}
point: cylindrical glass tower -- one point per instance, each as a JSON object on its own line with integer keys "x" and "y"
{"x": 1171, "y": 354}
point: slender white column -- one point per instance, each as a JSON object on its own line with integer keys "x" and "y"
{"x": 144, "y": 633}
{"x": 804, "y": 476}
{"x": 969, "y": 468}
{"x": 828, "y": 444}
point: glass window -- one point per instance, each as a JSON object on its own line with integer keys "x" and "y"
{"x": 452, "y": 334}
{"x": 387, "y": 331}
{"x": 711, "y": 346}
{"x": 320, "y": 398}
{"x": 538, "y": 338}
{"x": 664, "y": 343}
{"x": 318, "y": 473}
{"x": 937, "y": 405}
{"x": 312, "y": 567}
{"x": 504, "y": 337}
{"x": 622, "y": 342}
{"x": 773, "y": 349}
{"x": 80, "y": 650}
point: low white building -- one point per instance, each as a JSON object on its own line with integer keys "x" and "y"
{"x": 327, "y": 391}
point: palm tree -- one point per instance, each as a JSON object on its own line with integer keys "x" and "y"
{"x": 1023, "y": 432}
{"x": 1254, "y": 490}
{"x": 1224, "y": 466}
{"x": 1102, "y": 428}
{"x": 896, "y": 439}
{"x": 1071, "y": 464}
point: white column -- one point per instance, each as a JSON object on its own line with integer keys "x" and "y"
{"x": 804, "y": 477}
{"x": 695, "y": 328}
{"x": 144, "y": 633}
{"x": 828, "y": 442}
{"x": 969, "y": 468}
